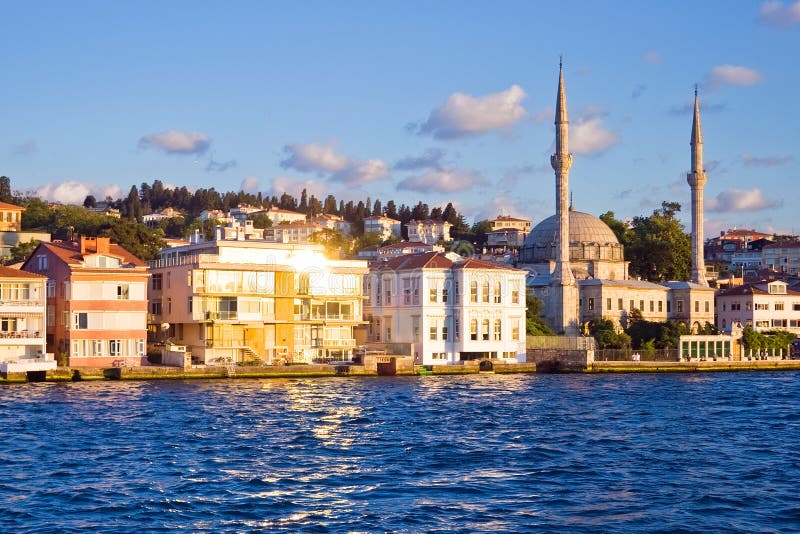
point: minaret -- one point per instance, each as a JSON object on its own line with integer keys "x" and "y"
{"x": 697, "y": 180}
{"x": 565, "y": 299}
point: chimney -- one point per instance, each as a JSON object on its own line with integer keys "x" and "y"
{"x": 103, "y": 245}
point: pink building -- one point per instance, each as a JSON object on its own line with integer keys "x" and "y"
{"x": 96, "y": 301}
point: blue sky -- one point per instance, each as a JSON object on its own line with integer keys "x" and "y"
{"x": 433, "y": 101}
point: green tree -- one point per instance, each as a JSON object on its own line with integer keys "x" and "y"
{"x": 659, "y": 249}
{"x": 38, "y": 215}
{"x": 261, "y": 220}
{"x": 133, "y": 206}
{"x": 534, "y": 324}
{"x": 90, "y": 201}
{"x": 5, "y": 190}
{"x": 21, "y": 251}
{"x": 620, "y": 228}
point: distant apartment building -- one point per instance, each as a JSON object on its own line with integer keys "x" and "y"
{"x": 22, "y": 322}
{"x": 406, "y": 247}
{"x": 152, "y": 219}
{"x": 447, "y": 308}
{"x": 249, "y": 300}
{"x": 505, "y": 221}
{"x": 298, "y": 232}
{"x": 215, "y": 215}
{"x": 11, "y": 233}
{"x": 96, "y": 301}
{"x": 333, "y": 222}
{"x": 764, "y": 306}
{"x": 781, "y": 257}
{"x": 429, "y": 231}
{"x": 722, "y": 248}
{"x": 385, "y": 226}
{"x": 279, "y": 216}
{"x": 505, "y": 238}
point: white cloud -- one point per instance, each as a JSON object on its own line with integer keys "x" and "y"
{"x": 284, "y": 184}
{"x": 362, "y": 172}
{"x": 775, "y": 14}
{"x": 765, "y": 161}
{"x": 313, "y": 157}
{"x": 444, "y": 181}
{"x": 589, "y": 136}
{"x": 74, "y": 192}
{"x": 250, "y": 185}
{"x": 740, "y": 200}
{"x": 176, "y": 142}
{"x": 652, "y": 57}
{"x": 465, "y": 115}
{"x": 731, "y": 75}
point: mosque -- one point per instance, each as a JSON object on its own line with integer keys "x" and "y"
{"x": 577, "y": 265}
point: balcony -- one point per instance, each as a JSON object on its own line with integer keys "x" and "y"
{"x": 18, "y": 337}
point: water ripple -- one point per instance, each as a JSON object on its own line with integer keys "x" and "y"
{"x": 648, "y": 453}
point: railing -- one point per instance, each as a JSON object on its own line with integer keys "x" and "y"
{"x": 24, "y": 302}
{"x": 630, "y": 355}
{"x": 20, "y": 334}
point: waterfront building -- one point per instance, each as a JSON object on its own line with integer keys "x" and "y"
{"x": 429, "y": 231}
{"x": 96, "y": 301}
{"x": 11, "y": 233}
{"x": 243, "y": 299}
{"x": 22, "y": 322}
{"x": 690, "y": 303}
{"x": 385, "y": 226}
{"x": 768, "y": 305}
{"x": 446, "y": 308}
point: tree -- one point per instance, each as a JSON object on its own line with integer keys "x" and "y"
{"x": 38, "y": 215}
{"x": 5, "y": 189}
{"x": 605, "y": 334}
{"x": 534, "y": 324}
{"x": 658, "y": 248}
{"x": 261, "y": 220}
{"x": 479, "y": 232}
{"x": 21, "y": 251}
{"x": 620, "y": 228}
{"x": 133, "y": 205}
{"x": 89, "y": 202}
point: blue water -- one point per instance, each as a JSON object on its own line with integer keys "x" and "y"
{"x": 614, "y": 453}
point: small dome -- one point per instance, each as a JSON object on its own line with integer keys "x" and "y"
{"x": 583, "y": 228}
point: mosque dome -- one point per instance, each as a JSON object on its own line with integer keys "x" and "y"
{"x": 589, "y": 238}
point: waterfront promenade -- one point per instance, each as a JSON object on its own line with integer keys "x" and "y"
{"x": 66, "y": 374}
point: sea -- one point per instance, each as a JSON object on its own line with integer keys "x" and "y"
{"x": 694, "y": 452}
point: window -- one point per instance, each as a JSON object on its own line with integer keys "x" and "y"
{"x": 498, "y": 295}
{"x": 779, "y": 306}
{"x": 123, "y": 292}
{"x": 632, "y": 307}
{"x": 445, "y": 294}
{"x": 708, "y": 306}
{"x": 590, "y": 305}
{"x": 445, "y": 330}
{"x": 669, "y": 306}
{"x": 114, "y": 347}
{"x": 608, "y": 304}
{"x": 697, "y": 306}
{"x": 387, "y": 295}
{"x": 761, "y": 306}
{"x": 169, "y": 305}
{"x": 433, "y": 329}
{"x": 51, "y": 315}
{"x": 41, "y": 262}
{"x": 473, "y": 291}
{"x": 485, "y": 329}
{"x": 80, "y": 321}
{"x": 515, "y": 330}
{"x": 515, "y": 294}
{"x": 189, "y": 304}
{"x": 8, "y": 324}
{"x": 473, "y": 329}
{"x": 660, "y": 306}
{"x": 156, "y": 281}
{"x": 485, "y": 292}
{"x": 155, "y": 307}
{"x": 498, "y": 329}
{"x": 652, "y": 307}
{"x": 433, "y": 293}
{"x": 457, "y": 329}
{"x": 679, "y": 306}
{"x": 140, "y": 346}
{"x": 641, "y": 305}
{"x": 619, "y": 304}
{"x": 51, "y": 288}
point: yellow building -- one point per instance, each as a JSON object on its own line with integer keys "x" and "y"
{"x": 240, "y": 299}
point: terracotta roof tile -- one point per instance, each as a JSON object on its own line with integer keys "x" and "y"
{"x": 10, "y": 272}
{"x": 70, "y": 254}
{"x": 7, "y": 206}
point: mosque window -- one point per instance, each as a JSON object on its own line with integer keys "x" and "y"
{"x": 619, "y": 304}
{"x": 590, "y": 305}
